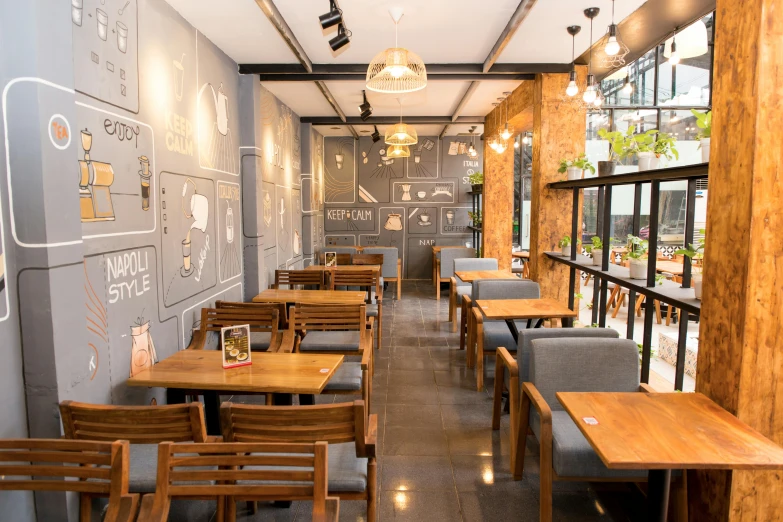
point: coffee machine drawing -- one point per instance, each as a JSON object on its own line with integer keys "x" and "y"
{"x": 95, "y": 180}
{"x": 196, "y": 208}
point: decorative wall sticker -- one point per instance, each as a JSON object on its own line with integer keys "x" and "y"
{"x": 270, "y": 215}
{"x": 105, "y": 51}
{"x": 424, "y": 160}
{"x": 350, "y": 219}
{"x": 423, "y": 220}
{"x": 216, "y": 144}
{"x": 455, "y": 220}
{"x": 339, "y": 170}
{"x": 406, "y": 191}
{"x": 178, "y": 78}
{"x": 267, "y": 209}
{"x": 459, "y": 167}
{"x": 95, "y": 180}
{"x": 146, "y": 177}
{"x": 229, "y": 264}
{"x": 196, "y": 207}
{"x": 365, "y": 196}
{"x": 283, "y": 229}
{"x": 391, "y": 231}
{"x": 143, "y": 353}
{"x": 424, "y": 191}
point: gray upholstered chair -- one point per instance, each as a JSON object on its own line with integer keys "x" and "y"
{"x": 572, "y": 364}
{"x": 391, "y": 270}
{"x": 444, "y": 264}
{"x": 459, "y": 287}
{"x": 487, "y": 336}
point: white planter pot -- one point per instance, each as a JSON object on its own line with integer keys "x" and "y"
{"x": 566, "y": 250}
{"x": 705, "y": 150}
{"x": 598, "y": 256}
{"x": 697, "y": 286}
{"x": 574, "y": 173}
{"x": 647, "y": 161}
{"x": 638, "y": 268}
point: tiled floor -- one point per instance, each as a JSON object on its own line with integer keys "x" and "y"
{"x": 439, "y": 459}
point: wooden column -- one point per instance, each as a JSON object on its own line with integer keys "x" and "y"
{"x": 740, "y": 364}
{"x": 558, "y": 132}
{"x": 498, "y": 202}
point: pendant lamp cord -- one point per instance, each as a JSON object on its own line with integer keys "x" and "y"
{"x": 612, "y": 12}
{"x": 590, "y": 65}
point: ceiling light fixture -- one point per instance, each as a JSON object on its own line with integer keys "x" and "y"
{"x": 693, "y": 41}
{"x": 592, "y": 97}
{"x": 398, "y": 151}
{"x": 573, "y": 88}
{"x": 674, "y": 56}
{"x": 342, "y": 39}
{"x": 401, "y": 133}
{"x": 627, "y": 85}
{"x": 376, "y": 136}
{"x": 615, "y": 50}
{"x": 333, "y": 17}
{"x": 507, "y": 131}
{"x": 396, "y": 70}
{"x": 365, "y": 109}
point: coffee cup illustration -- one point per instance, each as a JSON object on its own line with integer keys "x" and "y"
{"x": 421, "y": 194}
{"x": 449, "y": 217}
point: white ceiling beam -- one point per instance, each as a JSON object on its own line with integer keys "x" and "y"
{"x": 274, "y": 16}
{"x": 517, "y": 18}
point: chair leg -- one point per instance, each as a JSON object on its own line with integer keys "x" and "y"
{"x": 669, "y": 315}
{"x": 231, "y": 509}
{"x": 658, "y": 311}
{"x": 618, "y": 304}
{"x": 546, "y": 477}
{"x": 85, "y": 507}
{"x": 678, "y": 507}
{"x": 372, "y": 490}
{"x": 380, "y": 324}
{"x": 453, "y": 310}
{"x": 463, "y": 319}
{"x": 479, "y": 365}
{"x": 437, "y": 288}
{"x": 497, "y": 396}
{"x": 639, "y": 302}
{"x": 399, "y": 287}
{"x": 519, "y": 427}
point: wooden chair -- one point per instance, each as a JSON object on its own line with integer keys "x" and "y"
{"x": 141, "y": 426}
{"x": 241, "y": 471}
{"x": 292, "y": 278}
{"x": 444, "y": 264}
{"x": 460, "y": 288}
{"x": 265, "y": 334}
{"x": 350, "y": 432}
{"x": 370, "y": 282}
{"x": 101, "y": 469}
{"x": 367, "y": 259}
{"x": 342, "y": 259}
{"x": 576, "y": 365}
{"x": 281, "y": 309}
{"x": 335, "y": 329}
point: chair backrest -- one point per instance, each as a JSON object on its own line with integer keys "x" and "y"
{"x": 332, "y": 423}
{"x": 262, "y": 319}
{"x": 314, "y": 317}
{"x": 245, "y": 471}
{"x": 299, "y": 277}
{"x": 583, "y": 365}
{"x": 390, "y": 257}
{"x": 342, "y": 259}
{"x": 448, "y": 255}
{"x": 367, "y": 259}
{"x": 527, "y": 336}
{"x": 470, "y": 264}
{"x": 282, "y": 312}
{"x": 505, "y": 289}
{"x": 368, "y": 280}
{"x": 102, "y": 467}
{"x": 136, "y": 424}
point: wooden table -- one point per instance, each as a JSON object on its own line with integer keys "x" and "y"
{"x": 521, "y": 255}
{"x": 310, "y": 297}
{"x": 202, "y": 370}
{"x": 665, "y": 431}
{"x": 474, "y": 275}
{"x": 672, "y": 267}
{"x": 347, "y": 268}
{"x": 510, "y": 310}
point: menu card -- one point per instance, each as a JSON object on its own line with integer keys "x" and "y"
{"x": 330, "y": 258}
{"x": 236, "y": 345}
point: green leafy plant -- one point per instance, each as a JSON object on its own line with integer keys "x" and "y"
{"x": 641, "y": 350}
{"x": 596, "y": 244}
{"x": 580, "y": 162}
{"x": 665, "y": 146}
{"x": 694, "y": 252}
{"x": 645, "y": 142}
{"x": 565, "y": 241}
{"x": 659, "y": 279}
{"x": 637, "y": 248}
{"x": 704, "y": 122}
{"x": 621, "y": 144}
{"x": 475, "y": 217}
{"x": 578, "y": 296}
{"x": 477, "y": 178}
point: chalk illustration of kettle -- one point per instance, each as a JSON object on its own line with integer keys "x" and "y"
{"x": 221, "y": 109}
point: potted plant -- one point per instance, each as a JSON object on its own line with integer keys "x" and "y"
{"x": 637, "y": 256}
{"x": 695, "y": 252}
{"x": 475, "y": 217}
{"x": 704, "y": 122}
{"x": 621, "y": 145}
{"x": 664, "y": 146}
{"x": 576, "y": 167}
{"x": 476, "y": 181}
{"x": 596, "y": 249}
{"x": 565, "y": 245}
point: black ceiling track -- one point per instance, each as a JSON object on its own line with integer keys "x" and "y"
{"x": 385, "y": 120}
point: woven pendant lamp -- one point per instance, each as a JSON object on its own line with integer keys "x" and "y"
{"x": 398, "y": 151}
{"x": 401, "y": 133}
{"x": 396, "y": 70}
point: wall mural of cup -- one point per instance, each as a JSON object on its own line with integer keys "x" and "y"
{"x": 421, "y": 195}
{"x": 122, "y": 37}
{"x": 143, "y": 353}
{"x": 217, "y": 150}
{"x": 77, "y": 11}
{"x": 195, "y": 207}
{"x": 449, "y": 217}
{"x": 339, "y": 159}
{"x": 103, "y": 24}
{"x": 146, "y": 177}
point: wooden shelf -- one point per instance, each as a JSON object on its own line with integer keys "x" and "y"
{"x": 671, "y": 174}
{"x": 667, "y": 292}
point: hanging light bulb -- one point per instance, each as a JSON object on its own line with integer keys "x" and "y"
{"x": 573, "y": 89}
{"x": 400, "y": 133}
{"x": 612, "y": 46}
{"x": 525, "y": 139}
{"x": 502, "y": 146}
{"x": 516, "y": 144}
{"x": 674, "y": 57}
{"x": 615, "y": 50}
{"x": 590, "y": 95}
{"x": 592, "y": 98}
{"x": 627, "y": 85}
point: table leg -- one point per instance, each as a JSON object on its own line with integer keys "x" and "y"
{"x": 306, "y": 399}
{"x": 282, "y": 399}
{"x": 539, "y": 323}
{"x": 568, "y": 322}
{"x": 212, "y": 412}
{"x": 513, "y": 327}
{"x": 175, "y": 396}
{"x": 658, "y": 493}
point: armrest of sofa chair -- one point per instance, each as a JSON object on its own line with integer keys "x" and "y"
{"x": 331, "y": 513}
{"x": 125, "y": 510}
{"x": 152, "y": 513}
{"x": 287, "y": 342}
{"x": 504, "y": 360}
{"x": 531, "y": 394}
{"x": 646, "y": 388}
{"x": 371, "y": 438}
{"x": 197, "y": 341}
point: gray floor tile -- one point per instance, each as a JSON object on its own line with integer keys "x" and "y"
{"x": 398, "y": 377}
{"x": 417, "y": 473}
{"x": 412, "y": 394}
{"x": 400, "y": 440}
{"x": 499, "y": 505}
{"x": 478, "y": 440}
{"x": 421, "y": 416}
{"x": 468, "y": 415}
{"x": 453, "y": 395}
{"x": 419, "y": 506}
{"x": 422, "y": 362}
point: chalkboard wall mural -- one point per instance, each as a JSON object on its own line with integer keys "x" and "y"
{"x": 411, "y": 203}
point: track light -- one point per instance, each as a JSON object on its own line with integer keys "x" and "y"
{"x": 376, "y": 136}
{"x": 342, "y": 39}
{"x": 333, "y": 17}
{"x": 365, "y": 108}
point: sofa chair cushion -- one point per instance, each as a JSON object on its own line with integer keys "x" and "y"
{"x": 390, "y": 256}
{"x": 318, "y": 341}
{"x": 348, "y": 377}
{"x": 498, "y": 333}
{"x": 447, "y": 257}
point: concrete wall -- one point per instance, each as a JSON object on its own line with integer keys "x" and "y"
{"x": 426, "y": 194}
{"x": 133, "y": 193}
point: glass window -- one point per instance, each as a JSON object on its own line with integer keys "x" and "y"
{"x": 687, "y": 84}
{"x": 682, "y": 125}
{"x": 596, "y": 148}
{"x": 643, "y": 120}
{"x": 641, "y": 75}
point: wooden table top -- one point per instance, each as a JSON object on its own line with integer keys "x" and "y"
{"x": 310, "y": 297}
{"x": 521, "y": 255}
{"x": 669, "y": 266}
{"x": 474, "y": 275}
{"x": 668, "y": 431}
{"x": 269, "y": 372}
{"x": 346, "y": 268}
{"x": 502, "y": 309}
{"x": 438, "y": 248}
